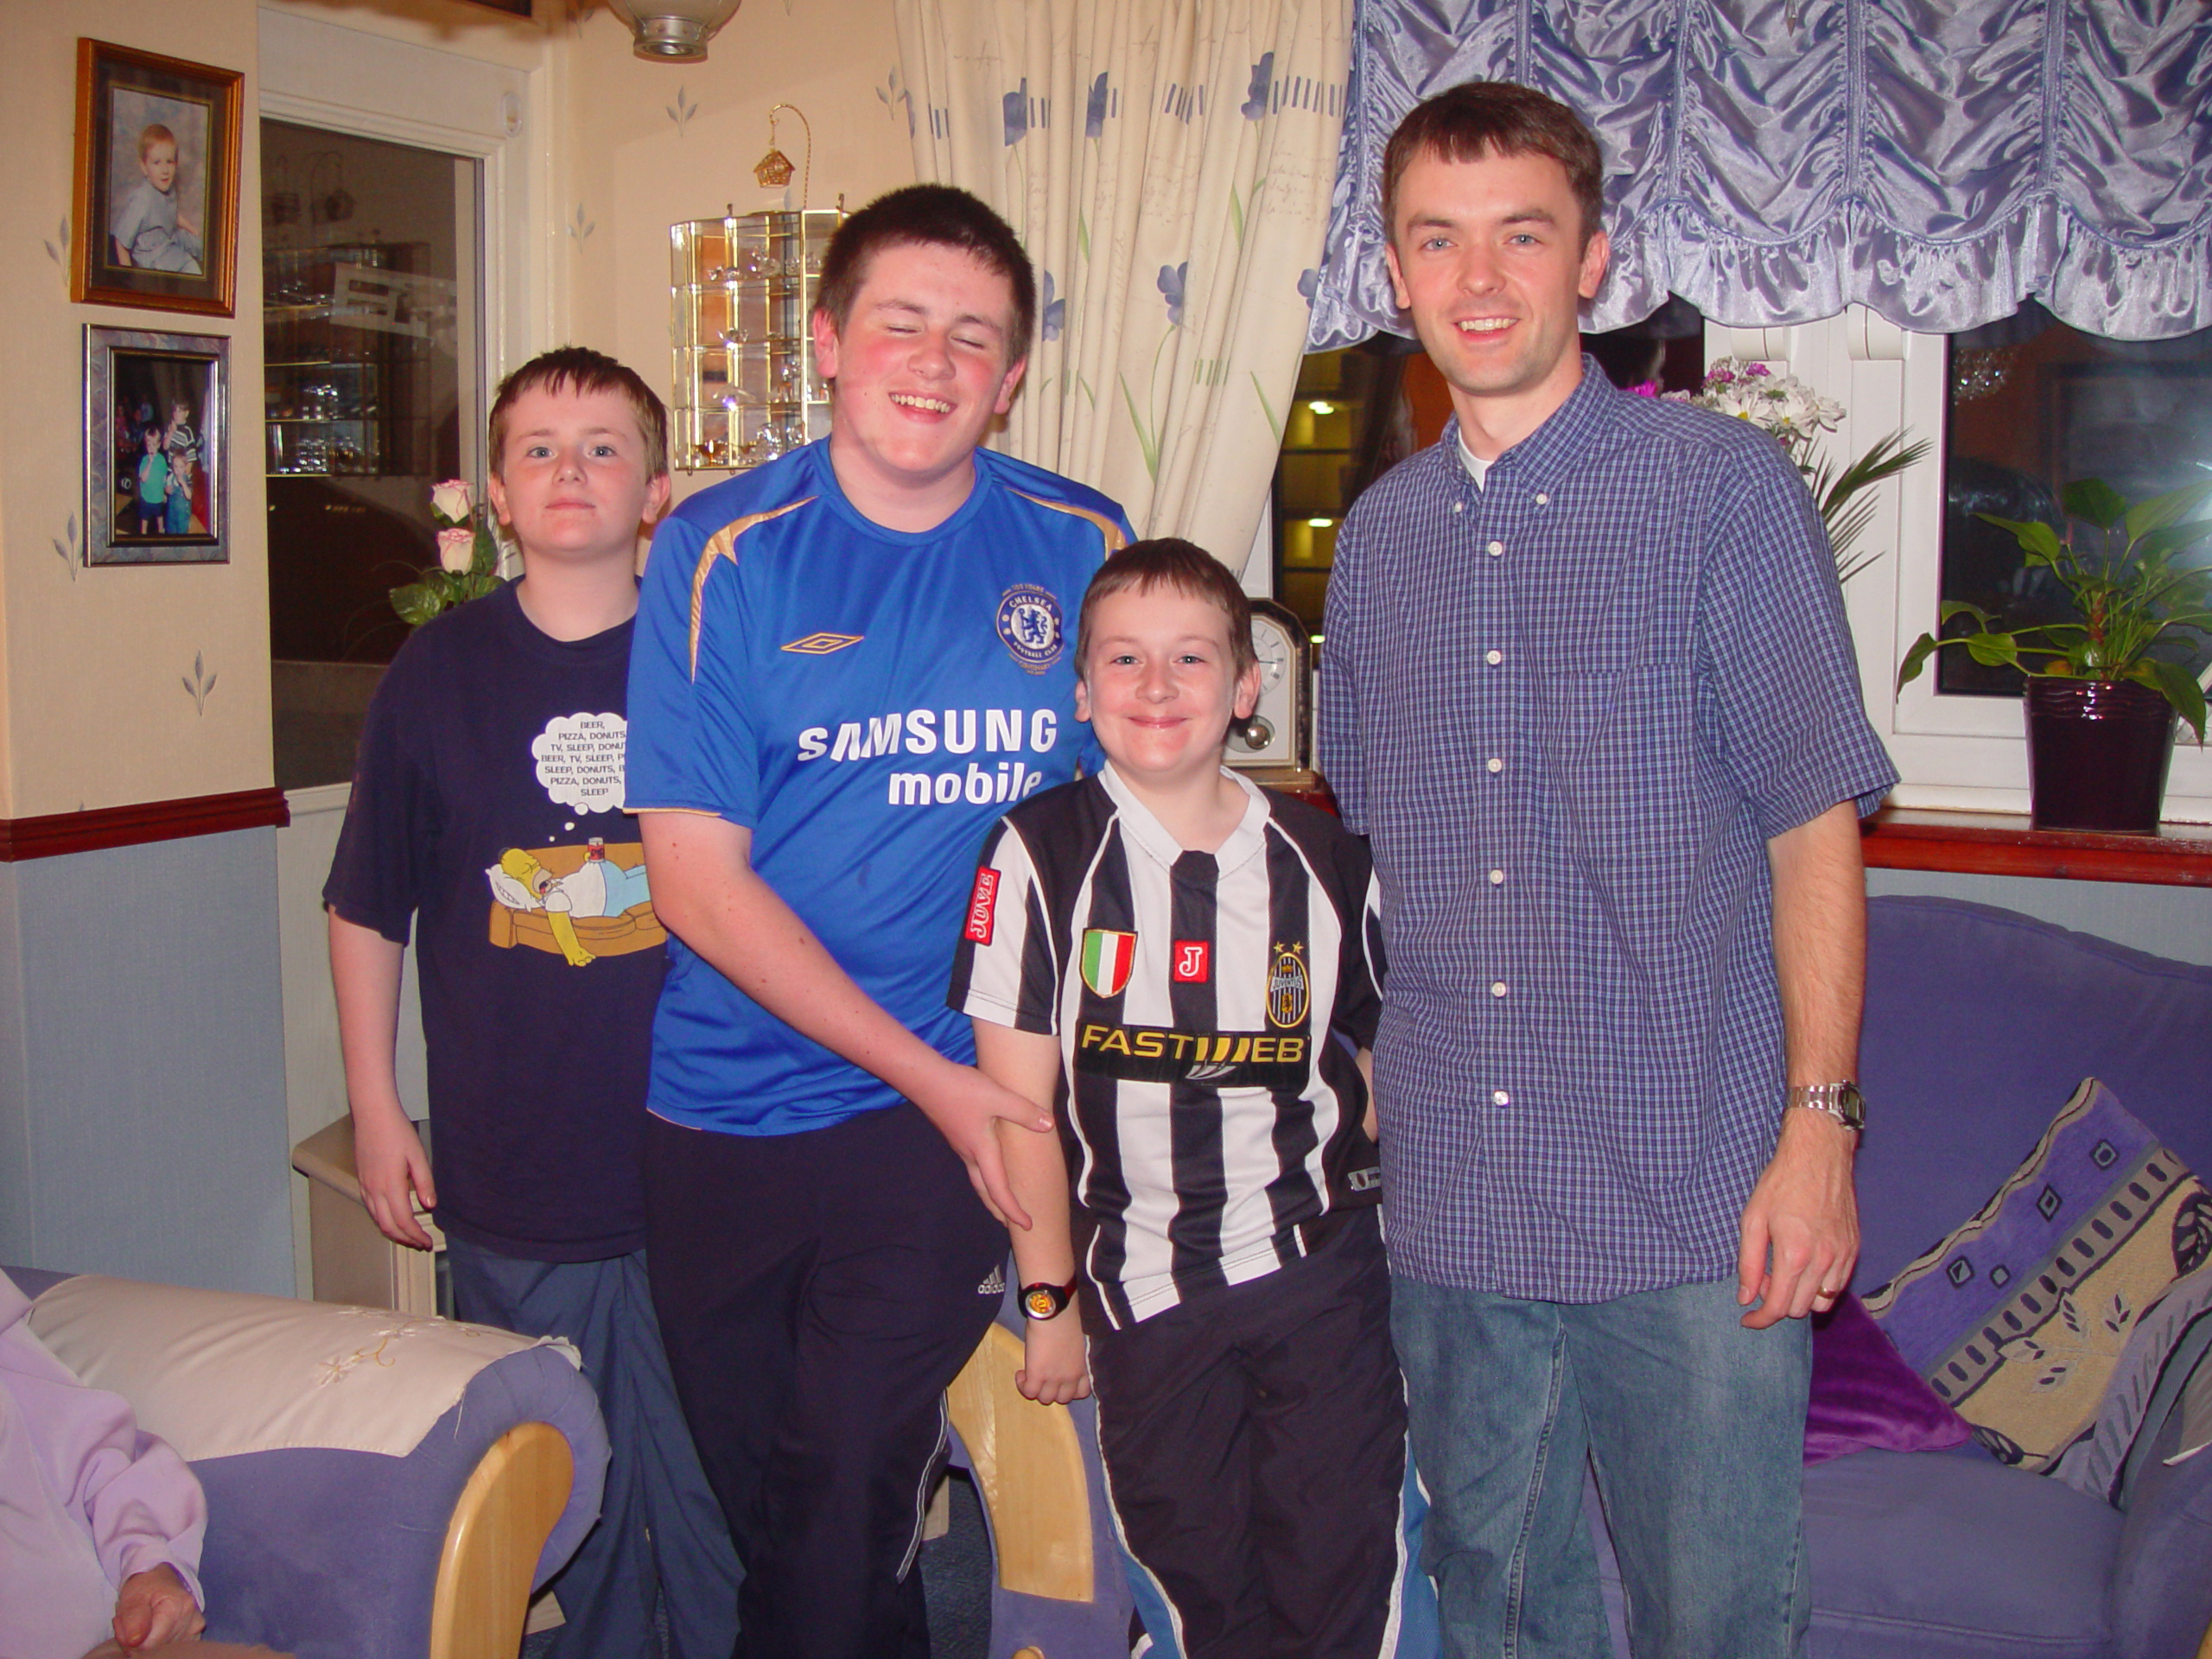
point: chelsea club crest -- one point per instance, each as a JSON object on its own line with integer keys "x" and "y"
{"x": 1029, "y": 623}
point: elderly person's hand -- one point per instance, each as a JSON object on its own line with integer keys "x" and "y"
{"x": 154, "y": 1608}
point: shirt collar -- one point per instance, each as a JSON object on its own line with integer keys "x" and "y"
{"x": 1559, "y": 443}
{"x": 1246, "y": 841}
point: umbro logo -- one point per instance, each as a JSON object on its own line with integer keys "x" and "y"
{"x": 820, "y": 645}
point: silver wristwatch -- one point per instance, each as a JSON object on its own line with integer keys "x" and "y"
{"x": 1841, "y": 1101}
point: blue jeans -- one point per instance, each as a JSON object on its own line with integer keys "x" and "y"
{"x": 1695, "y": 1428}
{"x": 660, "y": 1534}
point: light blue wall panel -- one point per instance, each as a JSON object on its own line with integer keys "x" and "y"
{"x": 15, "y": 1098}
{"x": 153, "y": 1066}
{"x": 2173, "y": 922}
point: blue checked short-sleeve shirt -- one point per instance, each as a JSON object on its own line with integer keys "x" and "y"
{"x": 1569, "y": 708}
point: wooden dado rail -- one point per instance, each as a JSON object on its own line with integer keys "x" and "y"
{"x": 2001, "y": 843}
{"x": 57, "y": 833}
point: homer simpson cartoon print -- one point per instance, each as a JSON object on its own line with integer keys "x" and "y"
{"x": 589, "y": 900}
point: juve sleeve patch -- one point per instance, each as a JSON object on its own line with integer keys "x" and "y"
{"x": 982, "y": 904}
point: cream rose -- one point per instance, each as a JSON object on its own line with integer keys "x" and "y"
{"x": 457, "y": 549}
{"x": 449, "y": 500}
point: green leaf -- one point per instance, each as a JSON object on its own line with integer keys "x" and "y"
{"x": 1951, "y": 609}
{"x": 1994, "y": 649}
{"x": 2094, "y": 501}
{"x": 483, "y": 555}
{"x": 2165, "y": 509}
{"x": 2181, "y": 690}
{"x": 2166, "y": 540}
{"x": 1885, "y": 459}
{"x": 2032, "y": 534}
{"x": 1922, "y": 649}
{"x": 417, "y": 602}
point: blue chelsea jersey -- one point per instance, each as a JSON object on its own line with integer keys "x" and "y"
{"x": 868, "y": 702}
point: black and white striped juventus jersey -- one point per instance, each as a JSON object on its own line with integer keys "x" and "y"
{"x": 1211, "y": 1121}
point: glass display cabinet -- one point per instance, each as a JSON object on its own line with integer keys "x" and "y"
{"x": 346, "y": 339}
{"x": 741, "y": 299}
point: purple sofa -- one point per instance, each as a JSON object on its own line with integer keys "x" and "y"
{"x": 1980, "y": 1025}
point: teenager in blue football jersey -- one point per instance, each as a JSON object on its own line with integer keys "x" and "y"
{"x": 848, "y": 662}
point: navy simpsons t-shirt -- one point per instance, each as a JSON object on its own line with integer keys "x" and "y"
{"x": 487, "y": 802}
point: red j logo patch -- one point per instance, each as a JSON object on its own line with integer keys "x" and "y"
{"x": 1193, "y": 962}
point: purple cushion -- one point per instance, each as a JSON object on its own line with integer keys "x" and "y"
{"x": 1865, "y": 1397}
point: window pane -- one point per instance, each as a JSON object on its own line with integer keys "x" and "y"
{"x": 2033, "y": 406}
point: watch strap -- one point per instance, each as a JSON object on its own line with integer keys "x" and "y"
{"x": 1841, "y": 1101}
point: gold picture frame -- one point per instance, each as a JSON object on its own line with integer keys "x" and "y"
{"x": 156, "y": 219}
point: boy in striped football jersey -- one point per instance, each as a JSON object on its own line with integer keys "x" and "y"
{"x": 1181, "y": 965}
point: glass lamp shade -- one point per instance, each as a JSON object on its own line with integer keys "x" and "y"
{"x": 674, "y": 31}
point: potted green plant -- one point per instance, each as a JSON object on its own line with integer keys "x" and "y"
{"x": 2101, "y": 694}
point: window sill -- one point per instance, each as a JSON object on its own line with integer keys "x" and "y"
{"x": 2001, "y": 843}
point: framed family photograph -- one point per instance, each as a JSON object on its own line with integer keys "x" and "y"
{"x": 157, "y": 443}
{"x": 157, "y": 222}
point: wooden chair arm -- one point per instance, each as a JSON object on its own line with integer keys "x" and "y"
{"x": 1028, "y": 1465}
{"x": 492, "y": 1542}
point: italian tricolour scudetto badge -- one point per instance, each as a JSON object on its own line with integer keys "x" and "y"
{"x": 1107, "y": 958}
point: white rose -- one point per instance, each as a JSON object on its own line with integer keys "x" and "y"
{"x": 457, "y": 549}
{"x": 450, "y": 499}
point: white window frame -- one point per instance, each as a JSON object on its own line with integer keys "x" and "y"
{"x": 1960, "y": 754}
{"x": 320, "y": 74}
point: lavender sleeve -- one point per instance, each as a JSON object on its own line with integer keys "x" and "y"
{"x": 78, "y": 1454}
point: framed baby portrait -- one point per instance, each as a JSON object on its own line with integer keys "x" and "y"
{"x": 156, "y": 448}
{"x": 156, "y": 221}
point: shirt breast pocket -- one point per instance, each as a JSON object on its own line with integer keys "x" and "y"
{"x": 1614, "y": 738}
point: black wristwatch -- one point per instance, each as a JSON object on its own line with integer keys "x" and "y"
{"x": 1042, "y": 1301}
{"x": 1841, "y": 1101}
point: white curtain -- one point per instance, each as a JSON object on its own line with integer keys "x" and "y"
{"x": 1169, "y": 164}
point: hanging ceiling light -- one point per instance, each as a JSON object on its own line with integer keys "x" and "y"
{"x": 674, "y": 31}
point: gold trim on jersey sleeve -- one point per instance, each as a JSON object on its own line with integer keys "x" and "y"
{"x": 1114, "y": 540}
{"x": 722, "y": 544}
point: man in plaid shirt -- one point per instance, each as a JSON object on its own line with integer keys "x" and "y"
{"x": 1589, "y": 690}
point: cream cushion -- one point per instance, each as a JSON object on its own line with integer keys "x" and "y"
{"x": 217, "y": 1373}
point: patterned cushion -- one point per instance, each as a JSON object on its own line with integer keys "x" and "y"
{"x": 2019, "y": 1317}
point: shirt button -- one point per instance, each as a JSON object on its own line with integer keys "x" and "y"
{"x": 1494, "y": 765}
{"x": 1498, "y": 987}
{"x": 1543, "y": 500}
{"x": 1497, "y": 878}
{"x": 1458, "y": 505}
{"x": 1500, "y": 1097}
{"x": 1493, "y": 657}
{"x": 1496, "y": 548}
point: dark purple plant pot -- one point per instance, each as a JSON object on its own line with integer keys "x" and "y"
{"x": 2097, "y": 754}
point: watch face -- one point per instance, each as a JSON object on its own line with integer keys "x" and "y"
{"x": 1040, "y": 1303}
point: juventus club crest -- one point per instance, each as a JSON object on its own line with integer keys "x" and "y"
{"x": 1288, "y": 987}
{"x": 1108, "y": 955}
{"x": 1030, "y": 626}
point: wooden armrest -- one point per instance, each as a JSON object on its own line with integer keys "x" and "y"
{"x": 1028, "y": 1466}
{"x": 492, "y": 1542}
